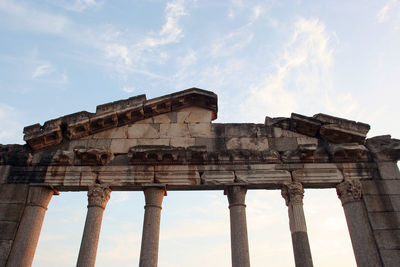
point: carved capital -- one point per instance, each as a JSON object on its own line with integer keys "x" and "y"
{"x": 98, "y": 195}
{"x": 349, "y": 191}
{"x": 293, "y": 193}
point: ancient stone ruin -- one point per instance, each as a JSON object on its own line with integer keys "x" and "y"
{"x": 170, "y": 143}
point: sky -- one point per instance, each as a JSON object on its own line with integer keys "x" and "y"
{"x": 262, "y": 58}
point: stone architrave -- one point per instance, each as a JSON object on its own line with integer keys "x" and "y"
{"x": 293, "y": 194}
{"x": 98, "y": 196}
{"x": 151, "y": 226}
{"x": 239, "y": 241}
{"x": 362, "y": 239}
{"x": 25, "y": 243}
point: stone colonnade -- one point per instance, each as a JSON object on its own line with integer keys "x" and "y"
{"x": 349, "y": 192}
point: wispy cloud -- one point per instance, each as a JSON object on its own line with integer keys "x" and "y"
{"x": 232, "y": 42}
{"x": 42, "y": 70}
{"x": 28, "y": 18}
{"x": 302, "y": 77}
{"x": 171, "y": 31}
{"x": 81, "y": 5}
{"x": 390, "y": 12}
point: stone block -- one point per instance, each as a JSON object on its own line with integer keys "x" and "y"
{"x": 218, "y": 130}
{"x": 285, "y": 143}
{"x": 145, "y": 121}
{"x": 381, "y": 187}
{"x": 387, "y": 239}
{"x": 119, "y": 132}
{"x": 263, "y": 176}
{"x": 241, "y": 130}
{"x": 200, "y": 130}
{"x": 174, "y": 130}
{"x": 13, "y": 193}
{"x": 123, "y": 175}
{"x": 382, "y": 202}
{"x": 99, "y": 143}
{"x": 388, "y": 170}
{"x": 153, "y": 142}
{"x": 144, "y": 130}
{"x": 390, "y": 258}
{"x": 257, "y": 144}
{"x": 83, "y": 143}
{"x": 318, "y": 174}
{"x": 217, "y": 177}
{"x": 5, "y": 248}
{"x": 8, "y": 230}
{"x": 88, "y": 175}
{"x": 211, "y": 144}
{"x": 307, "y": 141}
{"x": 11, "y": 212}
{"x": 170, "y": 117}
{"x": 385, "y": 220}
{"x": 4, "y": 172}
{"x": 177, "y": 175}
{"x": 122, "y": 145}
{"x": 194, "y": 115}
{"x": 182, "y": 142}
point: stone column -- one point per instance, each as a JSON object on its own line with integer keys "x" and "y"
{"x": 26, "y": 239}
{"x": 239, "y": 241}
{"x": 98, "y": 196}
{"x": 151, "y": 226}
{"x": 364, "y": 247}
{"x": 293, "y": 194}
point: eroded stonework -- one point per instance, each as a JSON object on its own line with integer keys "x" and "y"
{"x": 170, "y": 142}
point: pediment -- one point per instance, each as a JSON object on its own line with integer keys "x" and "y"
{"x": 111, "y": 118}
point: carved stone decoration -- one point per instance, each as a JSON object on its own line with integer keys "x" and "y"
{"x": 349, "y": 191}
{"x": 98, "y": 195}
{"x": 93, "y": 156}
{"x": 384, "y": 148}
{"x": 63, "y": 158}
{"x": 293, "y": 193}
{"x": 347, "y": 152}
{"x": 304, "y": 153}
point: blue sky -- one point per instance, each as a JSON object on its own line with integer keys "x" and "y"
{"x": 262, "y": 58}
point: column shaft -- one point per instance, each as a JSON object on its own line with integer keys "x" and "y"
{"x": 98, "y": 196}
{"x": 364, "y": 247}
{"x": 27, "y": 237}
{"x": 151, "y": 226}
{"x": 239, "y": 240}
{"x": 293, "y": 194}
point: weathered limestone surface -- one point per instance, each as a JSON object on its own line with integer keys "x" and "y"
{"x": 239, "y": 241}
{"x": 171, "y": 141}
{"x": 27, "y": 235}
{"x": 98, "y": 196}
{"x": 151, "y": 226}
{"x": 293, "y": 194}
{"x": 362, "y": 238}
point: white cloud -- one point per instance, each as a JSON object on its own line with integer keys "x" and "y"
{"x": 232, "y": 42}
{"x": 25, "y": 17}
{"x": 171, "y": 31}
{"x": 128, "y": 89}
{"x": 43, "y": 70}
{"x": 390, "y": 12}
{"x": 121, "y": 52}
{"x": 301, "y": 81}
{"x": 81, "y": 5}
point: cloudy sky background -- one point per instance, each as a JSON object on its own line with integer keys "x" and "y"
{"x": 262, "y": 58}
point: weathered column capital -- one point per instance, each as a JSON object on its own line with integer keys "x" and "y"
{"x": 98, "y": 195}
{"x": 293, "y": 193}
{"x": 349, "y": 191}
{"x": 40, "y": 196}
{"x": 154, "y": 196}
{"x": 236, "y": 195}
